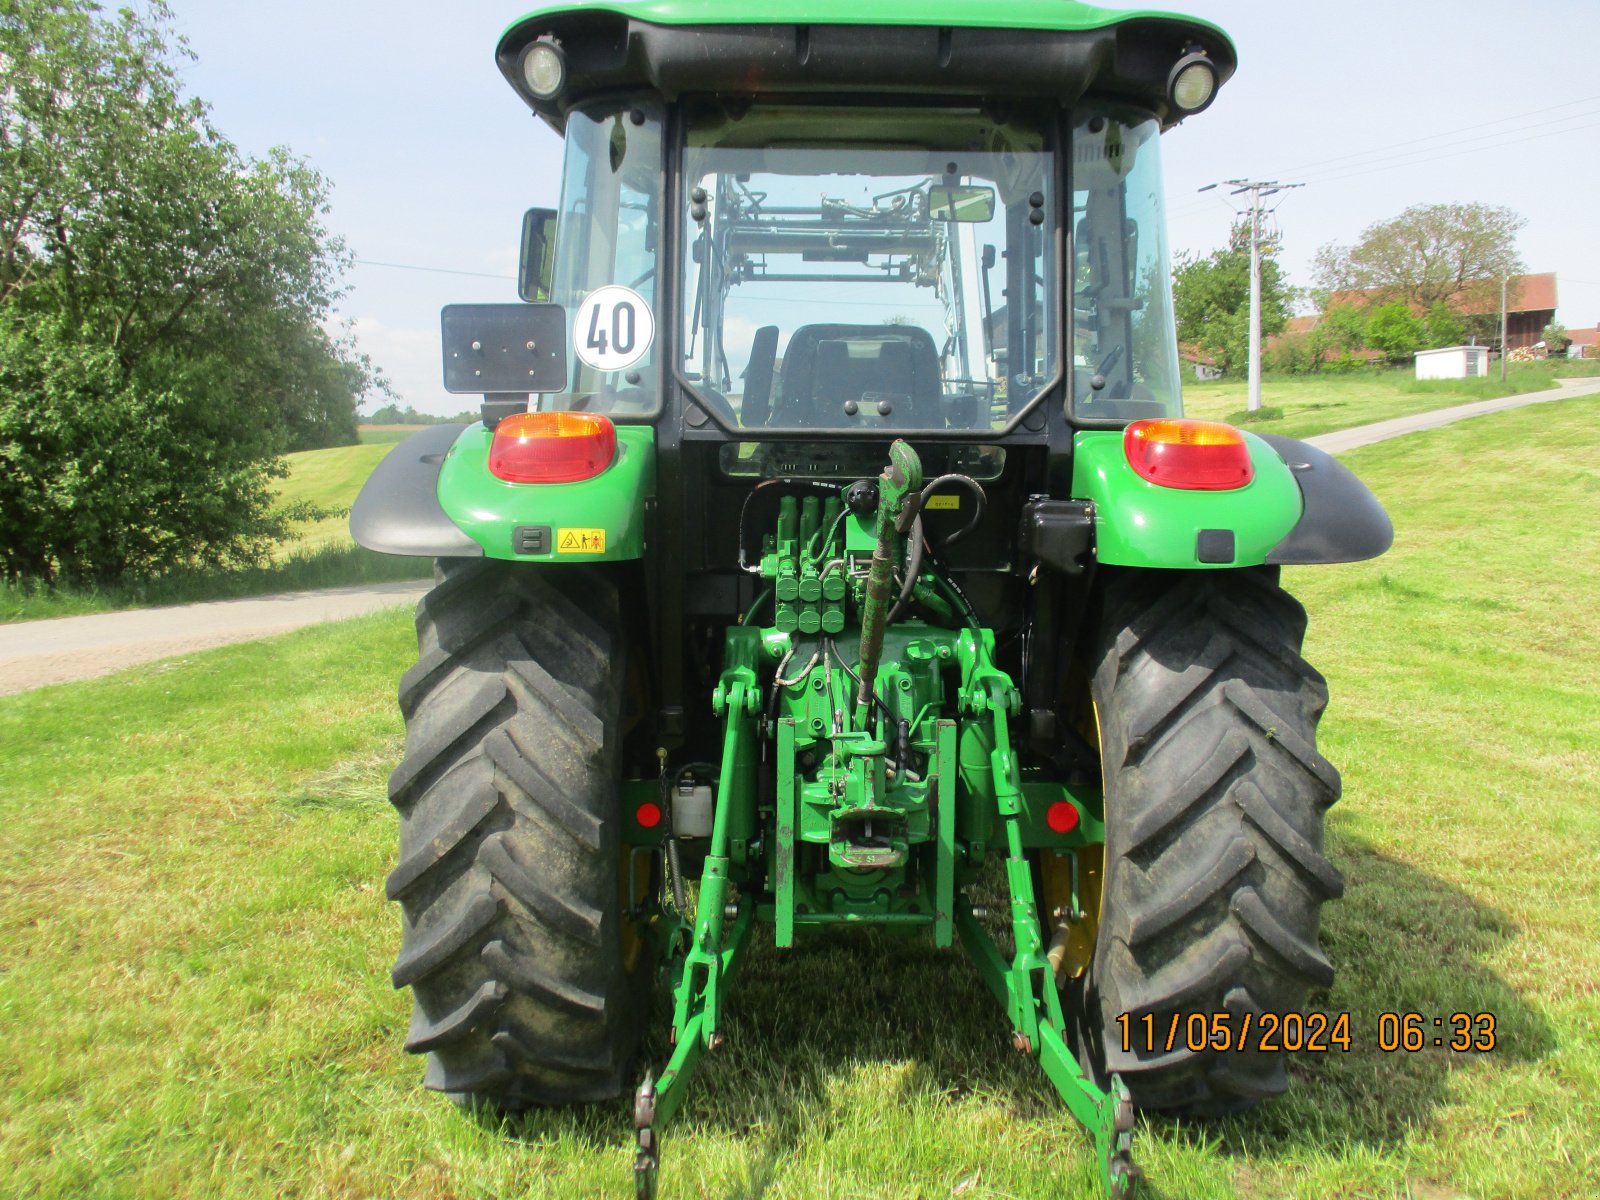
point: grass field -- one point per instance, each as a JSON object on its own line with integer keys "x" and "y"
{"x": 387, "y": 435}
{"x": 329, "y": 479}
{"x": 194, "y": 940}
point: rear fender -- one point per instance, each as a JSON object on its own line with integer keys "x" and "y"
{"x": 1142, "y": 524}
{"x": 593, "y": 520}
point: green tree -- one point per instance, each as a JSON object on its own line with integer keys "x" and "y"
{"x": 1428, "y": 254}
{"x": 162, "y": 308}
{"x": 1342, "y": 329}
{"x": 1556, "y": 338}
{"x": 1444, "y": 327}
{"x": 1395, "y": 330}
{"x": 1211, "y": 300}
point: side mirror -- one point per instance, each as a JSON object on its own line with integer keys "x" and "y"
{"x": 537, "y": 268}
{"x": 966, "y": 202}
{"x": 505, "y": 349}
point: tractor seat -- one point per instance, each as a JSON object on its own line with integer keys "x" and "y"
{"x": 826, "y": 366}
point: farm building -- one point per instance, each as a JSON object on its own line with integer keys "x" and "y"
{"x": 1531, "y": 305}
{"x": 1585, "y": 343}
{"x": 1453, "y": 362}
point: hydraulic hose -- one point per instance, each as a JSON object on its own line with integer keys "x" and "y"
{"x": 913, "y": 568}
{"x": 978, "y": 495}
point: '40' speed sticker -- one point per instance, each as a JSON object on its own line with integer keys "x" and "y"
{"x": 613, "y": 328}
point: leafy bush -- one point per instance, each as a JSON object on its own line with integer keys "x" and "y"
{"x": 1211, "y": 301}
{"x": 1291, "y": 354}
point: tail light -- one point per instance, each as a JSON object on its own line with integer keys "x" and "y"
{"x": 1199, "y": 455}
{"x": 552, "y": 447}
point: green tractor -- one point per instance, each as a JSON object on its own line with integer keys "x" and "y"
{"x": 833, "y": 531}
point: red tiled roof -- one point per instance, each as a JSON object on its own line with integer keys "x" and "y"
{"x": 1585, "y": 337}
{"x": 1529, "y": 293}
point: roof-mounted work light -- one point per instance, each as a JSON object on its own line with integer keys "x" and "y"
{"x": 544, "y": 67}
{"x": 1193, "y": 82}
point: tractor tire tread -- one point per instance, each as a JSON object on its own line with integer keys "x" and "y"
{"x": 1215, "y": 797}
{"x": 508, "y": 875}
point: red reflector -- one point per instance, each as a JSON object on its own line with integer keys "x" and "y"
{"x": 1061, "y": 817}
{"x": 552, "y": 447}
{"x": 648, "y": 815}
{"x": 1205, "y": 456}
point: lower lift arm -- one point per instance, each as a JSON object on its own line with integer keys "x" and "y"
{"x": 1026, "y": 988}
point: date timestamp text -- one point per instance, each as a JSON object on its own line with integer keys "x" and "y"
{"x": 1313, "y": 1032}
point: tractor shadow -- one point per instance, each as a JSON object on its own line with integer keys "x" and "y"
{"x": 1402, "y": 941}
{"x": 808, "y": 1029}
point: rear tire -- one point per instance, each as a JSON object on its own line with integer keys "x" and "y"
{"x": 1215, "y": 796}
{"x": 527, "y": 986}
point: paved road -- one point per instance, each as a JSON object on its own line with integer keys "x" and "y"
{"x": 36, "y": 653}
{"x": 1341, "y": 440}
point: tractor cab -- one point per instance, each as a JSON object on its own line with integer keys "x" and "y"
{"x": 859, "y": 231}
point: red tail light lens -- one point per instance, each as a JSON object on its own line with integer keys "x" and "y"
{"x": 552, "y": 447}
{"x": 1205, "y": 456}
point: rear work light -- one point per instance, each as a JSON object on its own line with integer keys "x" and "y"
{"x": 1205, "y": 456}
{"x": 552, "y": 447}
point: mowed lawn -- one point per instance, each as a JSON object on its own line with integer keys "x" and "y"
{"x": 1306, "y": 405}
{"x": 329, "y": 479}
{"x": 194, "y": 940}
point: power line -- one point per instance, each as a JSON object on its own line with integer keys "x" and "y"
{"x": 1380, "y": 159}
{"x": 1454, "y": 149}
{"x": 1323, "y": 162}
{"x": 1518, "y": 140}
{"x": 1258, "y": 189}
{"x": 368, "y": 262}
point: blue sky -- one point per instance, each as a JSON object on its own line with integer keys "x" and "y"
{"x": 1375, "y": 106}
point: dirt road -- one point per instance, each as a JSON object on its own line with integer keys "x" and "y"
{"x": 36, "y": 653}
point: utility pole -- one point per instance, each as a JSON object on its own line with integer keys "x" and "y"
{"x": 1258, "y": 189}
{"x": 1503, "y": 347}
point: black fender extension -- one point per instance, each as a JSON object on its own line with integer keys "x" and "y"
{"x": 398, "y": 509}
{"x": 1342, "y": 520}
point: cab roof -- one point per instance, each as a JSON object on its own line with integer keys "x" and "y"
{"x": 909, "y": 47}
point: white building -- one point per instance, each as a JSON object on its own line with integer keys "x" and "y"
{"x": 1453, "y": 362}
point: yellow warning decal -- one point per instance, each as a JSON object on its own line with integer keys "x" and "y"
{"x": 580, "y": 541}
{"x": 943, "y": 502}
